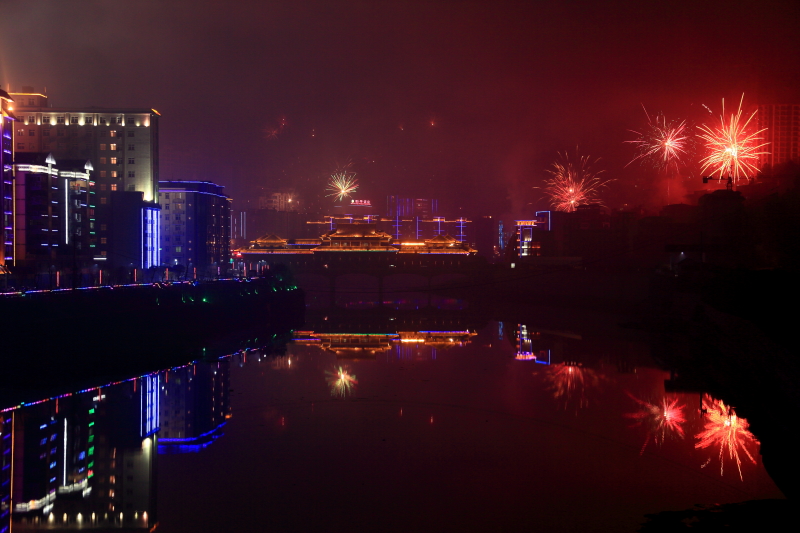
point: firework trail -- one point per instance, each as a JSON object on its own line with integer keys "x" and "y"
{"x": 341, "y": 382}
{"x": 732, "y": 149}
{"x": 573, "y": 182}
{"x": 342, "y": 184}
{"x": 661, "y": 419}
{"x": 727, "y": 431}
{"x": 662, "y": 143}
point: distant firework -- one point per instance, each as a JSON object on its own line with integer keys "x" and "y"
{"x": 732, "y": 148}
{"x": 662, "y": 143}
{"x": 341, "y": 382}
{"x": 342, "y": 185}
{"x": 571, "y": 382}
{"x": 573, "y": 183}
{"x": 661, "y": 419}
{"x": 727, "y": 431}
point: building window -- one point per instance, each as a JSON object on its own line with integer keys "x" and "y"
{"x": 103, "y": 200}
{"x": 73, "y": 120}
{"x": 177, "y": 217}
{"x": 88, "y": 121}
{"x": 113, "y": 173}
{"x": 103, "y": 122}
{"x": 31, "y": 133}
{"x": 46, "y": 132}
{"x": 113, "y": 160}
{"x": 103, "y": 175}
{"x": 103, "y": 240}
{"x": 103, "y": 160}
{"x": 131, "y": 133}
{"x": 59, "y": 120}
{"x": 31, "y": 101}
{"x": 113, "y": 147}
{"x": 102, "y": 186}
{"x": 112, "y": 133}
{"x": 131, "y": 187}
{"x": 102, "y": 146}
{"x": 131, "y": 147}
{"x": 20, "y": 132}
{"x": 131, "y": 161}
{"x": 60, "y": 132}
{"x": 73, "y": 133}
{"x": 118, "y": 120}
{"x": 178, "y": 249}
{"x": 103, "y": 253}
{"x": 45, "y": 120}
{"x": 31, "y": 119}
{"x": 103, "y": 227}
{"x": 20, "y": 146}
{"x": 113, "y": 186}
{"x": 166, "y": 217}
{"x": 131, "y": 173}
{"x": 166, "y": 206}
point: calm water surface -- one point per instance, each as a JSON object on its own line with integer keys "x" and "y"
{"x": 506, "y": 428}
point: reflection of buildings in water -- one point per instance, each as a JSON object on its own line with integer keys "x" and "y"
{"x": 341, "y": 381}
{"x": 571, "y": 382}
{"x": 525, "y": 350}
{"x": 82, "y": 460}
{"x": 367, "y": 345}
{"x": 194, "y": 406}
{"x": 725, "y": 430}
{"x": 88, "y": 459}
{"x": 663, "y": 419}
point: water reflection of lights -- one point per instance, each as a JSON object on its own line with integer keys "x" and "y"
{"x": 661, "y": 419}
{"x": 341, "y": 382}
{"x": 727, "y": 431}
{"x": 570, "y": 382}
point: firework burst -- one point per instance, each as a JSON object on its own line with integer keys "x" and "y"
{"x": 571, "y": 382}
{"x": 661, "y": 419}
{"x": 727, "y": 431}
{"x": 341, "y": 382}
{"x": 342, "y": 184}
{"x": 662, "y": 143}
{"x": 732, "y": 147}
{"x": 573, "y": 182}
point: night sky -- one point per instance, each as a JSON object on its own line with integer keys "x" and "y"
{"x": 465, "y": 101}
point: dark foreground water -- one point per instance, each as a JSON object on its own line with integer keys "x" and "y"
{"x": 508, "y": 427}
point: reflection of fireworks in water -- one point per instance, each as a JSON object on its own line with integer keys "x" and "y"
{"x": 662, "y": 419}
{"x": 726, "y": 430}
{"x": 732, "y": 151}
{"x": 342, "y": 185}
{"x": 568, "y": 381}
{"x": 341, "y": 382}
{"x": 662, "y": 143}
{"x": 573, "y": 182}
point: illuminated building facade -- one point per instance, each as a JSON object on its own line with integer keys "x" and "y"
{"x": 363, "y": 242}
{"x": 122, "y": 146}
{"x": 55, "y": 221}
{"x": 195, "y": 224}
{"x": 782, "y": 131}
{"x": 7, "y": 181}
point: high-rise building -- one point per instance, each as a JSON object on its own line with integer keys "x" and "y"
{"x": 54, "y": 213}
{"x": 122, "y": 146}
{"x": 195, "y": 224}
{"x": 781, "y": 125}
{"x": 7, "y": 181}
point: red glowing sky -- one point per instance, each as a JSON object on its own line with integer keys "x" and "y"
{"x": 505, "y": 84}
